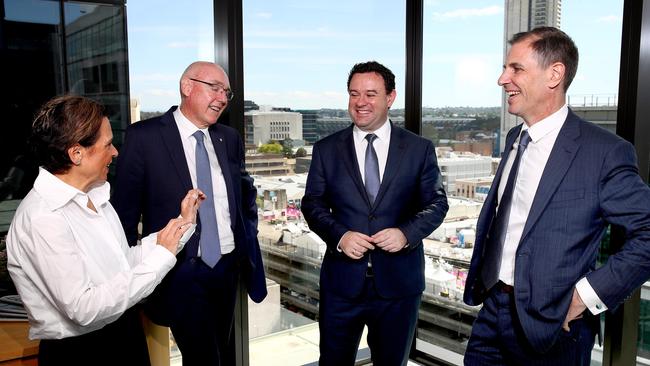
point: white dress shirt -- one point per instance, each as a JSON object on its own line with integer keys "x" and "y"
{"x": 543, "y": 135}
{"x": 72, "y": 266}
{"x": 187, "y": 129}
{"x": 381, "y": 144}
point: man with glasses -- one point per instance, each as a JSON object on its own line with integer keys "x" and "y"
{"x": 160, "y": 160}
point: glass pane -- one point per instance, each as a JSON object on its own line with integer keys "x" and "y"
{"x": 96, "y": 60}
{"x": 297, "y": 56}
{"x": 163, "y": 40}
{"x": 30, "y": 67}
{"x": 464, "y": 49}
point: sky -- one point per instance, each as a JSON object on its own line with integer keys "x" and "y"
{"x": 298, "y": 53}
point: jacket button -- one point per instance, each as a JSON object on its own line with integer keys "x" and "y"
{"x": 371, "y": 217}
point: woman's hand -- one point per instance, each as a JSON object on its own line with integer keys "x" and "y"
{"x": 190, "y": 204}
{"x": 170, "y": 235}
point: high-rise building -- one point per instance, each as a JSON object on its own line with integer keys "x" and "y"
{"x": 522, "y": 16}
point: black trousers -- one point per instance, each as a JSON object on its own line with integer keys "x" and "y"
{"x": 391, "y": 327}
{"x": 202, "y": 310}
{"x": 120, "y": 343}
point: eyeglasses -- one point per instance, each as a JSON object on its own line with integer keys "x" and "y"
{"x": 217, "y": 88}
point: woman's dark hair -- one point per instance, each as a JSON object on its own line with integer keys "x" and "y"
{"x": 61, "y": 123}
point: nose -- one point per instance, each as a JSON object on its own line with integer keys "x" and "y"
{"x": 504, "y": 78}
{"x": 114, "y": 153}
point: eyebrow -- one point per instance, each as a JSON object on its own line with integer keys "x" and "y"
{"x": 513, "y": 64}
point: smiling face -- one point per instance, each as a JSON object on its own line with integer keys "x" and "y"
{"x": 201, "y": 103}
{"x": 97, "y": 157}
{"x": 368, "y": 102}
{"x": 531, "y": 90}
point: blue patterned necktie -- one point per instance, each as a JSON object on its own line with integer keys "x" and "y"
{"x": 371, "y": 169}
{"x": 209, "y": 241}
{"x": 497, "y": 234}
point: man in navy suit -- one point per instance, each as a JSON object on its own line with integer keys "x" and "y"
{"x": 374, "y": 191}
{"x": 534, "y": 262}
{"x": 160, "y": 159}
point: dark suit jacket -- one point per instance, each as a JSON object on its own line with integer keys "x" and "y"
{"x": 591, "y": 179}
{"x": 152, "y": 178}
{"x": 411, "y": 198}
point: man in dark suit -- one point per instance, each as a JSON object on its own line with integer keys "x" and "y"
{"x": 374, "y": 191}
{"x": 561, "y": 181}
{"x": 162, "y": 158}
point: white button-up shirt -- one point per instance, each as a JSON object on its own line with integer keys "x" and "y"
{"x": 72, "y": 266}
{"x": 381, "y": 144}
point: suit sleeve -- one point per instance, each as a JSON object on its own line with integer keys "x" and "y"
{"x": 316, "y": 206}
{"x": 624, "y": 202}
{"x": 129, "y": 183}
{"x": 433, "y": 201}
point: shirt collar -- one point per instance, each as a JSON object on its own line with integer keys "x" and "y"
{"x": 58, "y": 193}
{"x": 383, "y": 132}
{"x": 185, "y": 127}
{"x": 547, "y": 125}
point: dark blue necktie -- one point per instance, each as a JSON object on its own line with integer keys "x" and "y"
{"x": 371, "y": 169}
{"x": 497, "y": 234}
{"x": 209, "y": 241}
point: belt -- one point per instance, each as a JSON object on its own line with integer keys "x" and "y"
{"x": 502, "y": 287}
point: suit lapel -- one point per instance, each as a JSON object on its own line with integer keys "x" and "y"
{"x": 491, "y": 200}
{"x": 396, "y": 150}
{"x": 562, "y": 155}
{"x": 349, "y": 157}
{"x": 172, "y": 140}
{"x": 220, "y": 148}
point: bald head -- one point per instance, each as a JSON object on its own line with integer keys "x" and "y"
{"x": 204, "y": 88}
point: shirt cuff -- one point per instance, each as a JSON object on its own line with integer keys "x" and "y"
{"x": 589, "y": 297}
{"x": 185, "y": 238}
{"x": 161, "y": 260}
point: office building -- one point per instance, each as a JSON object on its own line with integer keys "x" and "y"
{"x": 265, "y": 126}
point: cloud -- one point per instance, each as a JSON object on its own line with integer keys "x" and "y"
{"x": 155, "y": 77}
{"x": 264, "y": 15}
{"x": 468, "y": 13}
{"x": 610, "y": 19}
{"x": 161, "y": 92}
{"x": 186, "y": 44}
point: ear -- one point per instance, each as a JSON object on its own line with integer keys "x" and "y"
{"x": 391, "y": 98}
{"x": 556, "y": 75}
{"x": 75, "y": 153}
{"x": 186, "y": 87}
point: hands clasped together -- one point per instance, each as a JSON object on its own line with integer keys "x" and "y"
{"x": 355, "y": 244}
{"x": 171, "y": 234}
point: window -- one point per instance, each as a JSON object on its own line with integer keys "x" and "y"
{"x": 464, "y": 47}
{"x": 297, "y": 56}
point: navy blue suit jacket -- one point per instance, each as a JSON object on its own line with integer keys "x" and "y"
{"x": 411, "y": 198}
{"x": 152, "y": 178}
{"x": 590, "y": 180}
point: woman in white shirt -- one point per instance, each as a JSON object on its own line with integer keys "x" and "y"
{"x": 67, "y": 253}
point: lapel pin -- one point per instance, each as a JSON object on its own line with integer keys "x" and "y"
{"x": 220, "y": 139}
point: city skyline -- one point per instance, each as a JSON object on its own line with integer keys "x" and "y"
{"x": 298, "y": 54}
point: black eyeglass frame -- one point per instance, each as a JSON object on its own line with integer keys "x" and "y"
{"x": 217, "y": 88}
